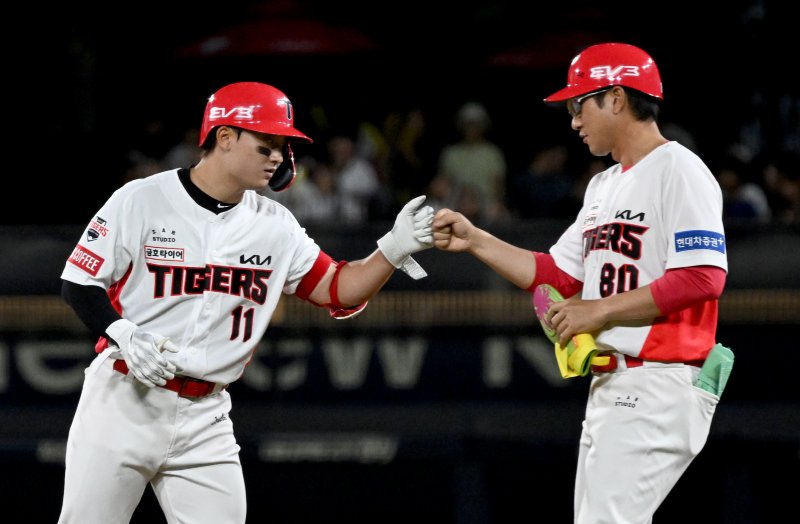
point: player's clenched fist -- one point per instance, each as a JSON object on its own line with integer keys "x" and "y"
{"x": 452, "y": 231}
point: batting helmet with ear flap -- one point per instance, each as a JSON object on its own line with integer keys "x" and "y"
{"x": 256, "y": 107}
{"x": 612, "y": 64}
{"x": 285, "y": 174}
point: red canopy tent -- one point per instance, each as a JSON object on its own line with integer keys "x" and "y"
{"x": 277, "y": 36}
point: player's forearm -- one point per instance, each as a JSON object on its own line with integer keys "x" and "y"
{"x": 516, "y": 265}
{"x": 359, "y": 280}
{"x": 632, "y": 305}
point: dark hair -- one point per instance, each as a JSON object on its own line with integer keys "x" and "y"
{"x": 643, "y": 107}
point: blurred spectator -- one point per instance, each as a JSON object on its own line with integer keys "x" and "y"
{"x": 678, "y": 133}
{"x": 185, "y": 153}
{"x": 357, "y": 182}
{"x": 574, "y": 202}
{"x": 789, "y": 123}
{"x": 781, "y": 176}
{"x": 147, "y": 149}
{"x": 371, "y": 145}
{"x": 743, "y": 198}
{"x": 140, "y": 166}
{"x": 544, "y": 188}
{"x": 411, "y": 161}
{"x": 313, "y": 197}
{"x": 471, "y": 174}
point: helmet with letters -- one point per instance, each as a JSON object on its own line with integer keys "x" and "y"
{"x": 611, "y": 64}
{"x": 256, "y": 107}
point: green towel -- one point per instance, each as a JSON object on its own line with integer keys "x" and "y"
{"x": 716, "y": 370}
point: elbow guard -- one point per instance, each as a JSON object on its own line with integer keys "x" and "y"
{"x": 336, "y": 309}
{"x": 315, "y": 275}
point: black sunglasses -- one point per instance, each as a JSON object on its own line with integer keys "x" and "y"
{"x": 575, "y": 105}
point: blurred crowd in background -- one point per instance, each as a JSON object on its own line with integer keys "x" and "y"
{"x": 403, "y": 101}
{"x": 368, "y": 171}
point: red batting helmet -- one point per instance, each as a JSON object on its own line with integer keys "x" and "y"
{"x": 260, "y": 108}
{"x": 252, "y": 106}
{"x": 613, "y": 64}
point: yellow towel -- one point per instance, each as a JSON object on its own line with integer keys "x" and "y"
{"x": 577, "y": 359}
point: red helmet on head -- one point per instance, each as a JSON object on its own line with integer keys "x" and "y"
{"x": 252, "y": 106}
{"x": 612, "y": 64}
{"x": 256, "y": 107}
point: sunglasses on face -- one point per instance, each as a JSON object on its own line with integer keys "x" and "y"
{"x": 575, "y": 105}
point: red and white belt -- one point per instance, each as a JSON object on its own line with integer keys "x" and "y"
{"x": 184, "y": 386}
{"x": 635, "y": 362}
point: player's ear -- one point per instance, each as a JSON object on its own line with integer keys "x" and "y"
{"x": 225, "y": 136}
{"x": 619, "y": 98}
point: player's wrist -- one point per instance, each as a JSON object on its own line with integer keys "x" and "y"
{"x": 400, "y": 256}
{"x": 478, "y": 241}
{"x": 121, "y": 331}
{"x": 391, "y": 249}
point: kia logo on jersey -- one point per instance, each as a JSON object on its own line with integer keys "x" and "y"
{"x": 255, "y": 259}
{"x": 627, "y": 214}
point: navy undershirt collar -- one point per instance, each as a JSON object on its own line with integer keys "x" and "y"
{"x": 202, "y": 199}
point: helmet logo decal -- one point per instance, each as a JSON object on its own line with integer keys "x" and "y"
{"x": 238, "y": 113}
{"x": 606, "y": 71}
{"x": 288, "y": 108}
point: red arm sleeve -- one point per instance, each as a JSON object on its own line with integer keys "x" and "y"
{"x": 548, "y": 273}
{"x": 679, "y": 288}
{"x": 314, "y": 275}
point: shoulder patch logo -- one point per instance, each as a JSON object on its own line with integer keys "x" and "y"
{"x": 86, "y": 260}
{"x": 97, "y": 228}
{"x": 699, "y": 239}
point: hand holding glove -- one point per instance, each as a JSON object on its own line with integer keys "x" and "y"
{"x": 142, "y": 352}
{"x": 411, "y": 233}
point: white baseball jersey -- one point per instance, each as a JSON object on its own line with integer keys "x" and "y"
{"x": 665, "y": 212}
{"x": 210, "y": 282}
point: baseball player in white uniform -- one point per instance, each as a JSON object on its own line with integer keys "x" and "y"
{"x": 644, "y": 264}
{"x": 179, "y": 274}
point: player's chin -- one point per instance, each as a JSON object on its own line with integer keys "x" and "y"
{"x": 260, "y": 183}
{"x": 596, "y": 149}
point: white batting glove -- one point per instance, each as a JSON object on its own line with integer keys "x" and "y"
{"x": 411, "y": 233}
{"x": 142, "y": 352}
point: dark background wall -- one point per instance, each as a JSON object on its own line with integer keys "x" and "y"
{"x": 81, "y": 97}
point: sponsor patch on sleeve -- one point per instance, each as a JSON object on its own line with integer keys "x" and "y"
{"x": 699, "y": 239}
{"x": 86, "y": 260}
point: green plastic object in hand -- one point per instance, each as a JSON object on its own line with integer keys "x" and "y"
{"x": 716, "y": 370}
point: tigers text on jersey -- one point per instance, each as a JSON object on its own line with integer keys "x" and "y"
{"x": 208, "y": 282}
{"x": 665, "y": 212}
